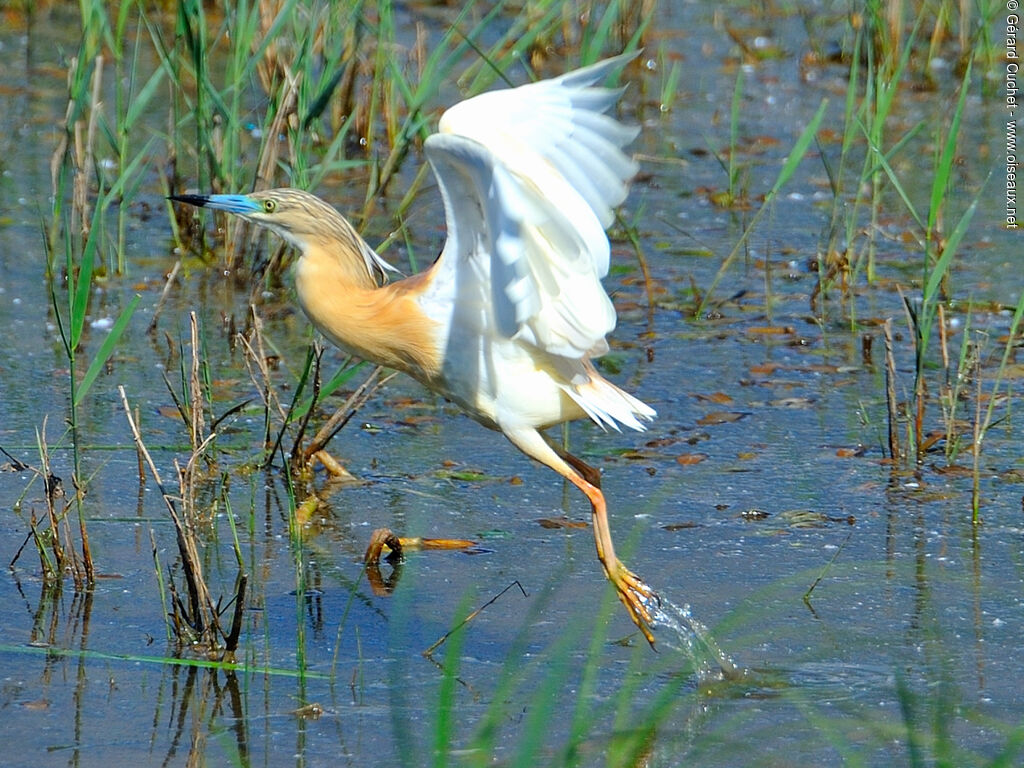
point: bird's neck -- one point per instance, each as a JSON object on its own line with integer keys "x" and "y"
{"x": 340, "y": 258}
{"x": 381, "y": 324}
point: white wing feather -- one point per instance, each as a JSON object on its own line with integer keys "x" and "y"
{"x": 529, "y": 178}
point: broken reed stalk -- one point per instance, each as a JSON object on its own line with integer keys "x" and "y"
{"x": 258, "y": 366}
{"x": 947, "y": 398}
{"x": 197, "y": 423}
{"x": 47, "y": 565}
{"x": 193, "y": 412}
{"x": 245, "y": 236}
{"x": 159, "y": 576}
{"x": 890, "y": 393}
{"x": 944, "y": 340}
{"x": 55, "y": 547}
{"x": 287, "y": 106}
{"x": 977, "y": 437}
{"x": 86, "y": 153}
{"x": 86, "y": 575}
{"x": 256, "y": 361}
{"x": 54, "y": 489}
{"x": 201, "y": 614}
{"x": 199, "y": 595}
{"x": 77, "y": 143}
{"x": 341, "y": 416}
{"x": 171, "y": 277}
{"x": 231, "y": 640}
{"x": 472, "y": 615}
{"x": 920, "y": 396}
{"x": 633, "y": 235}
{"x": 188, "y": 477}
{"x": 919, "y": 329}
{"x": 316, "y": 353}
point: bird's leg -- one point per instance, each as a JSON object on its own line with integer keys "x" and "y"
{"x": 631, "y": 589}
{"x": 635, "y": 595}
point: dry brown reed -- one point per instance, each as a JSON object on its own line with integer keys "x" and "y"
{"x": 198, "y": 622}
{"x": 54, "y": 541}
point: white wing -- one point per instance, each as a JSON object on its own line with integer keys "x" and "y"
{"x": 529, "y": 178}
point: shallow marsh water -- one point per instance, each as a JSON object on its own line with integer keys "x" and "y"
{"x": 764, "y": 472}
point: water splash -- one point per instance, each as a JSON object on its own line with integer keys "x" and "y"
{"x": 693, "y": 638}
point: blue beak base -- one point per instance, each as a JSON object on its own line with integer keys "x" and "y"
{"x": 238, "y": 204}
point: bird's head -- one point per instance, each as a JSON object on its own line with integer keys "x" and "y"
{"x": 298, "y": 217}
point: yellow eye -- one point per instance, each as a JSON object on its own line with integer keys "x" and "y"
{"x": 269, "y": 206}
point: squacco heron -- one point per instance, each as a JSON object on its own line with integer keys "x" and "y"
{"x": 507, "y": 321}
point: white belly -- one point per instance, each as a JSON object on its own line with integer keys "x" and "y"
{"x": 503, "y": 383}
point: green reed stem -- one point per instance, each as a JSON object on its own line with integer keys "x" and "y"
{"x": 789, "y": 167}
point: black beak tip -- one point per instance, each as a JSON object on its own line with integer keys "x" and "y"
{"x": 197, "y": 200}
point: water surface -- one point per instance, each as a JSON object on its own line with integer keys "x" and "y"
{"x": 765, "y": 474}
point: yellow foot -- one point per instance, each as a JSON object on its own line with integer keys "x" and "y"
{"x": 636, "y": 596}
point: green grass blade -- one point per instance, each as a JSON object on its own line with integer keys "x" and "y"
{"x": 171, "y": 661}
{"x": 734, "y": 130}
{"x": 121, "y": 188}
{"x": 940, "y": 182}
{"x": 799, "y": 149}
{"x": 80, "y": 285}
{"x": 541, "y": 710}
{"x": 948, "y": 251}
{"x": 895, "y": 149}
{"x": 106, "y": 350}
{"x": 271, "y": 36}
{"x": 787, "y": 171}
{"x": 139, "y": 101}
{"x": 344, "y": 375}
{"x": 446, "y": 712}
{"x": 894, "y": 180}
{"x": 670, "y": 87}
